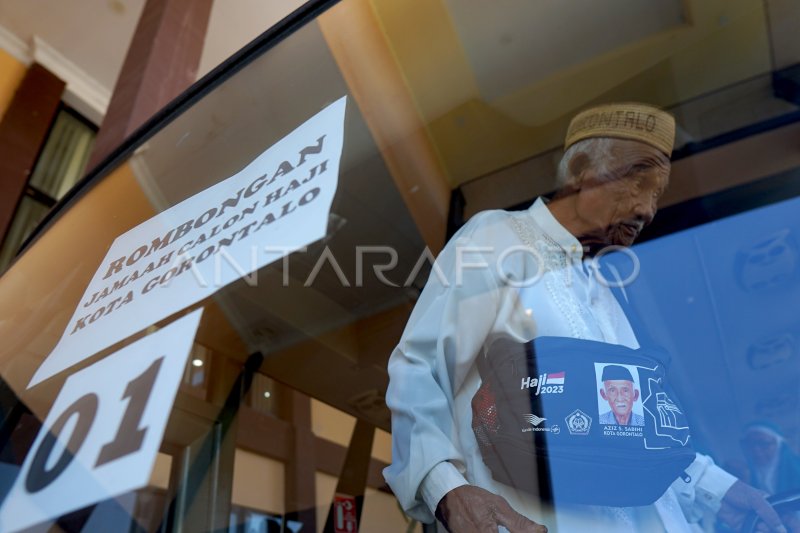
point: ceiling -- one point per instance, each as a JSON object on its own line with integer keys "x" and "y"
{"x": 92, "y": 36}
{"x": 548, "y": 37}
{"x": 461, "y": 58}
{"x": 497, "y": 84}
{"x": 65, "y": 26}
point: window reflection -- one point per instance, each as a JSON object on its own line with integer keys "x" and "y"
{"x": 445, "y": 98}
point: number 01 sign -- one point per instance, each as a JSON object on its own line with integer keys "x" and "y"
{"x": 102, "y": 434}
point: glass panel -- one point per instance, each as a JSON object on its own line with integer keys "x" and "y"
{"x": 281, "y": 417}
{"x": 64, "y": 156}
{"x": 29, "y": 214}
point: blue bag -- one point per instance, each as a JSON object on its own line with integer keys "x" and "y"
{"x": 577, "y": 421}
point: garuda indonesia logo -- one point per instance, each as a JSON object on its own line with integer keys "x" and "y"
{"x": 536, "y": 422}
{"x": 578, "y": 422}
{"x": 533, "y": 420}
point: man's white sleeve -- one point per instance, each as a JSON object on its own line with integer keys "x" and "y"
{"x": 451, "y": 320}
{"x": 442, "y": 478}
{"x": 705, "y": 489}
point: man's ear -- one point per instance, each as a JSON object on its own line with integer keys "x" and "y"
{"x": 635, "y": 394}
{"x": 603, "y": 394}
{"x": 578, "y": 166}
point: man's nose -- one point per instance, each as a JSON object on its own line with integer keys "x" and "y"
{"x": 646, "y": 210}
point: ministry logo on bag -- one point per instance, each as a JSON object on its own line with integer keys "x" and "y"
{"x": 552, "y": 383}
{"x": 578, "y": 422}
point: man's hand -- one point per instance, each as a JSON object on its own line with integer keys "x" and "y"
{"x": 742, "y": 499}
{"x": 469, "y": 509}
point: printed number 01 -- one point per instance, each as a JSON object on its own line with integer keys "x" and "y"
{"x": 128, "y": 439}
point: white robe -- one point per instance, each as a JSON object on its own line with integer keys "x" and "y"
{"x": 485, "y": 284}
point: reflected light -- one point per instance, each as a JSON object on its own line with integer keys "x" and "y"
{"x": 197, "y": 362}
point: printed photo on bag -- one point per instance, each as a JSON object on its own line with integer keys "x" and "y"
{"x": 619, "y": 398}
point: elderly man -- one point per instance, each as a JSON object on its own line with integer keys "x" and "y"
{"x": 621, "y": 393}
{"x": 773, "y": 466}
{"x": 484, "y": 287}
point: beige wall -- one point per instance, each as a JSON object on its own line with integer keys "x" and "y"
{"x": 334, "y": 425}
{"x": 11, "y": 74}
{"x": 381, "y": 512}
{"x": 159, "y": 477}
{"x": 325, "y": 487}
{"x": 258, "y": 482}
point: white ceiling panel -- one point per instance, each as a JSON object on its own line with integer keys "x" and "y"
{"x": 548, "y": 36}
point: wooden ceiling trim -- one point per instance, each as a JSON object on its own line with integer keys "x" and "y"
{"x": 377, "y": 85}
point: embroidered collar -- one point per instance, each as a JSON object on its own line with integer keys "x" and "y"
{"x": 554, "y": 230}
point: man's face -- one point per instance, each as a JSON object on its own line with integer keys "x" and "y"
{"x": 618, "y": 206}
{"x": 760, "y": 447}
{"x": 620, "y": 395}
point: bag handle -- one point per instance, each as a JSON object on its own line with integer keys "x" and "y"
{"x": 640, "y": 329}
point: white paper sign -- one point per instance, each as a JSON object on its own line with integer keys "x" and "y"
{"x": 278, "y": 204}
{"x": 103, "y": 432}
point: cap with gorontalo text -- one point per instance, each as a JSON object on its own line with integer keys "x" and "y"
{"x": 628, "y": 120}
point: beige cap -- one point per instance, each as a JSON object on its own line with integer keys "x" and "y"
{"x": 628, "y": 120}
